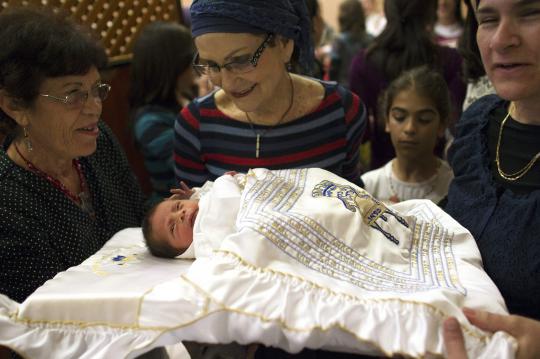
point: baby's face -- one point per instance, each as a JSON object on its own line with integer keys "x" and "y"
{"x": 173, "y": 222}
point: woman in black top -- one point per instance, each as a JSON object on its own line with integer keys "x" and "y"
{"x": 496, "y": 161}
{"x": 65, "y": 184}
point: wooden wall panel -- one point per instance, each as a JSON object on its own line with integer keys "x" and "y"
{"x": 116, "y": 22}
{"x": 116, "y": 115}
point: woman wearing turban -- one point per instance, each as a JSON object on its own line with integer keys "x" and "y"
{"x": 261, "y": 114}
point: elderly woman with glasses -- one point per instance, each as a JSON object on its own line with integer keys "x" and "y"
{"x": 262, "y": 115}
{"x": 65, "y": 184}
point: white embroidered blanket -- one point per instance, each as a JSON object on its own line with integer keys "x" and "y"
{"x": 311, "y": 260}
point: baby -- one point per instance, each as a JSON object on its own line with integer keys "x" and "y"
{"x": 169, "y": 226}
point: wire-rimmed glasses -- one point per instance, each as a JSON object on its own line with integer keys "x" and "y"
{"x": 78, "y": 98}
{"x": 241, "y": 65}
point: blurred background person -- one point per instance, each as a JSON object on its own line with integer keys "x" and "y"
{"x": 375, "y": 19}
{"x": 318, "y": 30}
{"x": 405, "y": 43}
{"x": 351, "y": 38}
{"x": 449, "y": 25}
{"x": 162, "y": 83}
{"x": 478, "y": 84}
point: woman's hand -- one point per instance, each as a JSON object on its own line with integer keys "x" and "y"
{"x": 525, "y": 330}
{"x": 184, "y": 192}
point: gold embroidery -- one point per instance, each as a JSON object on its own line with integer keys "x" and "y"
{"x": 272, "y": 199}
{"x": 354, "y": 199}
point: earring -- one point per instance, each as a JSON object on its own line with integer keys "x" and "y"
{"x": 288, "y": 66}
{"x": 27, "y": 141}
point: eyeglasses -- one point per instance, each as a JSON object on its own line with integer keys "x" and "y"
{"x": 78, "y": 98}
{"x": 240, "y": 66}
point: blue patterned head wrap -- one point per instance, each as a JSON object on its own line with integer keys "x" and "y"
{"x": 288, "y": 18}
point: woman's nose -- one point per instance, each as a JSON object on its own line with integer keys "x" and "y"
{"x": 506, "y": 35}
{"x": 93, "y": 106}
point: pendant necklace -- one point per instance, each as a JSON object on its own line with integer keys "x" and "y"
{"x": 259, "y": 135}
{"x": 83, "y": 199}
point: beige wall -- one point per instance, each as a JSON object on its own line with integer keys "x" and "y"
{"x": 329, "y": 12}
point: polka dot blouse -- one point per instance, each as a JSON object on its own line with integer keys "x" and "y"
{"x": 42, "y": 232}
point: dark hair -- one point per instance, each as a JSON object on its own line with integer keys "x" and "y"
{"x": 351, "y": 18}
{"x": 161, "y": 53}
{"x": 405, "y": 42}
{"x": 158, "y": 248}
{"x": 38, "y": 43}
{"x": 473, "y": 68}
{"x": 312, "y": 8}
{"x": 427, "y": 83}
{"x": 457, "y": 12}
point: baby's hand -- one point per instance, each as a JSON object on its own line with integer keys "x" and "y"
{"x": 184, "y": 192}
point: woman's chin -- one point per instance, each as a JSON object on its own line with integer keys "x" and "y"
{"x": 87, "y": 150}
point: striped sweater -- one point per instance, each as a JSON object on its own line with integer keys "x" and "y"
{"x": 208, "y": 143}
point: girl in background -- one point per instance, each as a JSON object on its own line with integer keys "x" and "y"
{"x": 405, "y": 43}
{"x": 449, "y": 25}
{"x": 162, "y": 83}
{"x": 415, "y": 109}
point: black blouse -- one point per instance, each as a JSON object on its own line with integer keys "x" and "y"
{"x": 519, "y": 144}
{"x": 43, "y": 232}
{"x": 504, "y": 223}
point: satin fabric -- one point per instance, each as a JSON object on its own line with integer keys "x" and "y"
{"x": 309, "y": 261}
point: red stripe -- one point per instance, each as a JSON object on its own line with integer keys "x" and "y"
{"x": 181, "y": 161}
{"x": 353, "y": 110}
{"x": 189, "y": 118}
{"x": 328, "y": 101}
{"x": 211, "y": 112}
{"x": 279, "y": 160}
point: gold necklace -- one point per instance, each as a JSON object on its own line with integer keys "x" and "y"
{"x": 259, "y": 135}
{"x": 516, "y": 175}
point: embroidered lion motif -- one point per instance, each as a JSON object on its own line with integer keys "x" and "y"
{"x": 369, "y": 208}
